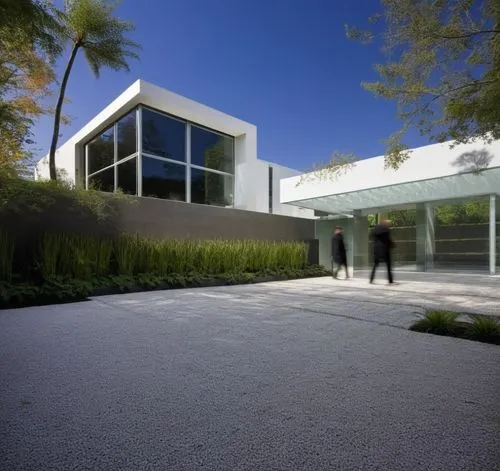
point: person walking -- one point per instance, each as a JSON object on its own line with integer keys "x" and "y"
{"x": 382, "y": 247}
{"x": 339, "y": 253}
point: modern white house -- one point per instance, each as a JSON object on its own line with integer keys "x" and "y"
{"x": 151, "y": 142}
{"x": 433, "y": 176}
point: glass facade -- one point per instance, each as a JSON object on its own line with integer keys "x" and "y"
{"x": 175, "y": 159}
{"x": 451, "y": 236}
{"x": 462, "y": 235}
{"x": 162, "y": 179}
{"x": 103, "y": 180}
{"x": 163, "y": 136}
{"x": 210, "y": 150}
{"x": 211, "y": 188}
{"x": 101, "y": 151}
{"x": 126, "y": 176}
{"x": 126, "y": 131}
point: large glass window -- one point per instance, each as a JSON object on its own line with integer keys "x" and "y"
{"x": 127, "y": 176}
{"x": 462, "y": 235}
{"x": 101, "y": 151}
{"x": 162, "y": 179}
{"x": 126, "y": 135}
{"x": 211, "y": 188}
{"x": 104, "y": 180}
{"x": 208, "y": 158}
{"x": 163, "y": 136}
{"x": 212, "y": 150}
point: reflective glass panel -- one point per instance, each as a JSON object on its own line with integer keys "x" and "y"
{"x": 462, "y": 235}
{"x": 212, "y": 150}
{"x": 127, "y": 135}
{"x": 211, "y": 188}
{"x": 103, "y": 181}
{"x": 163, "y": 136}
{"x": 101, "y": 151}
{"x": 127, "y": 176}
{"x": 162, "y": 179}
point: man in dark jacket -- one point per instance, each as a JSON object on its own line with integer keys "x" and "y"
{"x": 382, "y": 247}
{"x": 339, "y": 254}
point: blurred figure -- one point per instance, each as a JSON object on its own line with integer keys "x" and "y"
{"x": 382, "y": 247}
{"x": 339, "y": 253}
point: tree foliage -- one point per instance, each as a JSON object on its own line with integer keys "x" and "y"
{"x": 91, "y": 25}
{"x": 442, "y": 69}
{"x": 338, "y": 165}
{"x": 28, "y": 48}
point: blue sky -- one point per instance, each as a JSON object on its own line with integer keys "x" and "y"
{"x": 283, "y": 65}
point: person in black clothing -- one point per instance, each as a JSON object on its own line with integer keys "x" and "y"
{"x": 339, "y": 253}
{"x": 382, "y": 247}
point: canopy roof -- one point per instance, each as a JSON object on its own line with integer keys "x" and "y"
{"x": 433, "y": 173}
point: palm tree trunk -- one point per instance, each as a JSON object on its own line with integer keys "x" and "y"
{"x": 57, "y": 114}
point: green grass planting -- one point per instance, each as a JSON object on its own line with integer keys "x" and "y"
{"x": 485, "y": 329}
{"x": 72, "y": 266}
{"x": 6, "y": 256}
{"x": 437, "y": 322}
{"x": 481, "y": 328}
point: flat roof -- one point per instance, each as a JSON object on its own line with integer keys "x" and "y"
{"x": 432, "y": 173}
{"x": 148, "y": 94}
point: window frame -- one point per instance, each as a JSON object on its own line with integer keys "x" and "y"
{"x": 187, "y": 163}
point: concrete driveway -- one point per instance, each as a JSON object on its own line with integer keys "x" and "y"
{"x": 304, "y": 375}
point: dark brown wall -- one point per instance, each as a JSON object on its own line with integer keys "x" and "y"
{"x": 158, "y": 218}
{"x": 173, "y": 219}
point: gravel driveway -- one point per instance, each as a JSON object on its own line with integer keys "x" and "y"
{"x": 264, "y": 377}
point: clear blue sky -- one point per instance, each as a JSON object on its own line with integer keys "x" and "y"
{"x": 283, "y": 65}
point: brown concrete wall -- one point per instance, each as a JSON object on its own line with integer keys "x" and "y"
{"x": 173, "y": 219}
{"x": 157, "y": 218}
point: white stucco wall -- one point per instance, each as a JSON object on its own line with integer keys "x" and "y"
{"x": 279, "y": 172}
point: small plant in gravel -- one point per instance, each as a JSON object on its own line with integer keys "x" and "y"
{"x": 485, "y": 329}
{"x": 437, "y": 322}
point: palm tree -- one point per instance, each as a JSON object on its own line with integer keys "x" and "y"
{"x": 90, "y": 25}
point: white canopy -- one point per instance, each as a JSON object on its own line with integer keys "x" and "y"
{"x": 433, "y": 173}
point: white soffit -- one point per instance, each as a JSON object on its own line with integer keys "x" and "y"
{"x": 446, "y": 188}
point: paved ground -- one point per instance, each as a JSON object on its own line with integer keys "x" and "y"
{"x": 309, "y": 375}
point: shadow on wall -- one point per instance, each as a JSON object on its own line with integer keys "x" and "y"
{"x": 474, "y": 161}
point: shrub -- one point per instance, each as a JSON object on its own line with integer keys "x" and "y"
{"x": 57, "y": 289}
{"x": 21, "y": 196}
{"x": 6, "y": 256}
{"x": 437, "y": 322}
{"x": 485, "y": 329}
{"x": 74, "y": 256}
{"x": 86, "y": 257}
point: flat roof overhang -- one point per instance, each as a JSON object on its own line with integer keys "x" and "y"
{"x": 403, "y": 195}
{"x": 437, "y": 172}
{"x": 147, "y": 94}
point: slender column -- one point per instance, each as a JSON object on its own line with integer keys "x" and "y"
{"x": 188, "y": 163}
{"x": 86, "y": 163}
{"x": 493, "y": 235}
{"x": 359, "y": 247}
{"x": 349, "y": 240}
{"x": 430, "y": 241}
{"x": 139, "y": 150}
{"x": 426, "y": 242}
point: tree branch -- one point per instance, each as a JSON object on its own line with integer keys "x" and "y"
{"x": 468, "y": 35}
